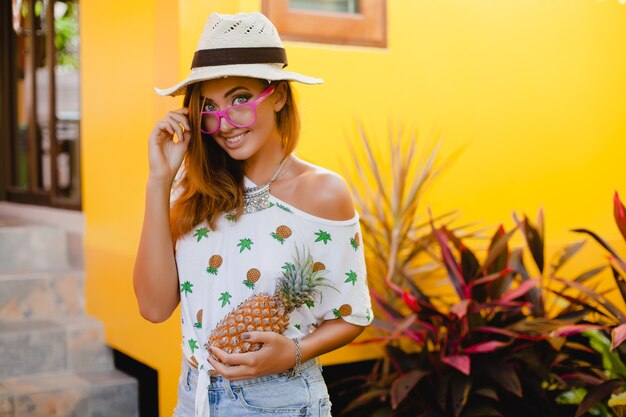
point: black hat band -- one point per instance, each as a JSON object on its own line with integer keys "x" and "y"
{"x": 234, "y": 56}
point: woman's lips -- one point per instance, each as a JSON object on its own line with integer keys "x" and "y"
{"x": 234, "y": 141}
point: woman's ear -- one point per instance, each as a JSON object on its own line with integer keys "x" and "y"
{"x": 280, "y": 96}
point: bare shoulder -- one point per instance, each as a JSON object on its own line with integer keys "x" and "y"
{"x": 322, "y": 193}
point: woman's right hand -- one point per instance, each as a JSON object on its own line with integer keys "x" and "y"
{"x": 164, "y": 155}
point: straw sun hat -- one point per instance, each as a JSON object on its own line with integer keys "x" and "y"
{"x": 244, "y": 44}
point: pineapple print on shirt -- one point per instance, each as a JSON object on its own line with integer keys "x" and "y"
{"x": 351, "y": 277}
{"x": 244, "y": 244}
{"x": 225, "y": 298}
{"x": 186, "y": 287}
{"x": 323, "y": 236}
{"x": 214, "y": 263}
{"x": 217, "y": 276}
{"x": 282, "y": 232}
{"x": 200, "y": 233}
{"x": 252, "y": 276}
{"x": 343, "y": 311}
{"x": 198, "y": 324}
{"x": 355, "y": 241}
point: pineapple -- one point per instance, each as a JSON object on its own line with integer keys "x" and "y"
{"x": 263, "y": 312}
{"x": 214, "y": 263}
{"x": 198, "y": 324}
{"x": 318, "y": 266}
{"x": 343, "y": 311}
{"x": 355, "y": 241}
{"x": 252, "y": 276}
{"x": 282, "y": 232}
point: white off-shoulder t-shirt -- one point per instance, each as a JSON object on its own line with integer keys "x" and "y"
{"x": 213, "y": 268}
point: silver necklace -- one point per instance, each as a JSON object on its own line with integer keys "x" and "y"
{"x": 258, "y": 198}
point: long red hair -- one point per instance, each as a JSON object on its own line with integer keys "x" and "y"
{"x": 213, "y": 181}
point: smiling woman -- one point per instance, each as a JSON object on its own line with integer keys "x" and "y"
{"x": 268, "y": 276}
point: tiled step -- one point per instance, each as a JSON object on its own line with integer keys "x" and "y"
{"x": 94, "y": 394}
{"x": 41, "y": 295}
{"x": 44, "y": 346}
{"x": 33, "y": 248}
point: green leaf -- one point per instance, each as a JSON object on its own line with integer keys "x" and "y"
{"x": 611, "y": 360}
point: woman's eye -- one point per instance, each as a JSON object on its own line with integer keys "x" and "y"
{"x": 209, "y": 107}
{"x": 240, "y": 100}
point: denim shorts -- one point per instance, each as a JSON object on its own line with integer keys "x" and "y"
{"x": 303, "y": 395}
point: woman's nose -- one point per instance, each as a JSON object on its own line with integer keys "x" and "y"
{"x": 225, "y": 125}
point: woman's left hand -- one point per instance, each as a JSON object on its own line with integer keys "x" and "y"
{"x": 277, "y": 354}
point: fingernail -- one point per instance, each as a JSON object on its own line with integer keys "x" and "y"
{"x": 245, "y": 336}
{"x": 210, "y": 350}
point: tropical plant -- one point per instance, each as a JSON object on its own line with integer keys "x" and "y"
{"x": 483, "y": 342}
{"x": 606, "y": 388}
{"x": 490, "y": 353}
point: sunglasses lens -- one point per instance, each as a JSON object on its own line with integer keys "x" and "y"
{"x": 241, "y": 116}
{"x": 210, "y": 123}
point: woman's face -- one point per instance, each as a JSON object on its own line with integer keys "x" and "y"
{"x": 241, "y": 142}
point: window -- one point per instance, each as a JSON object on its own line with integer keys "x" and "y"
{"x": 343, "y": 22}
{"x": 40, "y": 144}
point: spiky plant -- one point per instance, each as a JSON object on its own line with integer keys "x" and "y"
{"x": 299, "y": 284}
{"x": 478, "y": 344}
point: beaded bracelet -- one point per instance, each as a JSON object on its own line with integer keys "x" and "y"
{"x": 292, "y": 373}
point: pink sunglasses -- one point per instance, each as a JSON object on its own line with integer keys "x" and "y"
{"x": 239, "y": 115}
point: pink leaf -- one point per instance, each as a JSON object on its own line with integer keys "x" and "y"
{"x": 620, "y": 214}
{"x": 573, "y": 329}
{"x": 459, "y": 362}
{"x": 485, "y": 347}
{"x": 509, "y": 333}
{"x": 460, "y": 308}
{"x": 521, "y": 289}
{"x": 453, "y": 268}
{"x": 490, "y": 277}
{"x": 579, "y": 376}
{"x": 411, "y": 301}
{"x": 404, "y": 384}
{"x": 618, "y": 335}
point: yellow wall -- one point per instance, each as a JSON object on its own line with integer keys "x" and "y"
{"x": 533, "y": 90}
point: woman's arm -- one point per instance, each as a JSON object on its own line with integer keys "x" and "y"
{"x": 279, "y": 352}
{"x": 155, "y": 277}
